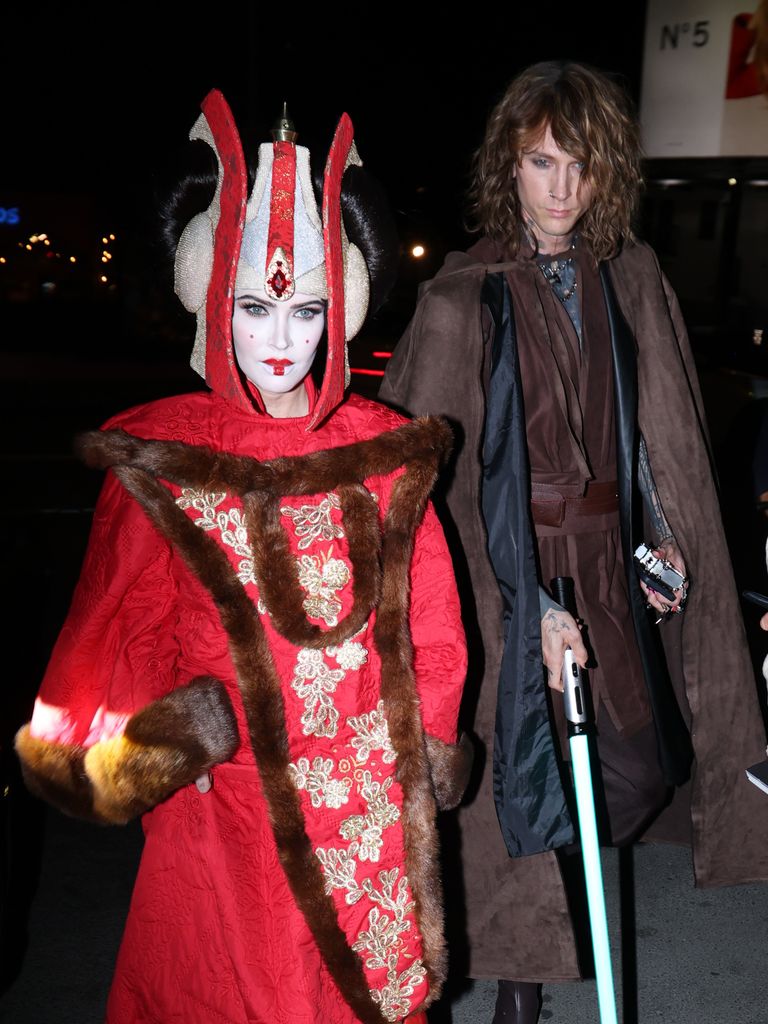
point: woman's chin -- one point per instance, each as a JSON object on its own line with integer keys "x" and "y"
{"x": 277, "y": 386}
{"x": 282, "y": 397}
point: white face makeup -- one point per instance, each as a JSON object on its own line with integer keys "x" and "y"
{"x": 275, "y": 342}
{"x": 552, "y": 193}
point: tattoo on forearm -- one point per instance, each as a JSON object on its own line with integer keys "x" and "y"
{"x": 650, "y": 495}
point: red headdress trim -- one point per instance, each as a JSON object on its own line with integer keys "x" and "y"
{"x": 279, "y": 279}
{"x": 221, "y": 370}
{"x": 332, "y": 391}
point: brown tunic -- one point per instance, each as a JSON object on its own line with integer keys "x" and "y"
{"x": 568, "y": 397}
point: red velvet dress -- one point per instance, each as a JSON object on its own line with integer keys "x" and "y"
{"x": 214, "y": 933}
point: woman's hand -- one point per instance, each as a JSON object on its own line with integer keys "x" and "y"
{"x": 560, "y": 630}
{"x": 668, "y": 550}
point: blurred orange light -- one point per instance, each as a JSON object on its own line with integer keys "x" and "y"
{"x": 72, "y": 259}
{"x": 2, "y": 259}
{"x": 111, "y": 238}
{"x": 418, "y": 251}
{"x": 28, "y": 246}
{"x": 103, "y": 279}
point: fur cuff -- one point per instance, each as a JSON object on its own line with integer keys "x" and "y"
{"x": 55, "y": 772}
{"x": 166, "y": 745}
{"x": 450, "y": 765}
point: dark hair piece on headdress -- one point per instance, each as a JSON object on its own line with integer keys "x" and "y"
{"x": 370, "y": 226}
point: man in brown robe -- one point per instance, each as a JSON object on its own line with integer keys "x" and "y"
{"x": 558, "y": 351}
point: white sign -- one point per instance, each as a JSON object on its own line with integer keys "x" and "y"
{"x": 701, "y": 95}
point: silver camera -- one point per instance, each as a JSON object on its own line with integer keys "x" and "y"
{"x": 657, "y": 573}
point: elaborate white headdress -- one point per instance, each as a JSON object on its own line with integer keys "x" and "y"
{"x": 276, "y": 241}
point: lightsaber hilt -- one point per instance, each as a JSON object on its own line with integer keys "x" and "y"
{"x": 574, "y": 695}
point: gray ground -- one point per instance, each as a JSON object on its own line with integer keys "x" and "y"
{"x": 700, "y": 954}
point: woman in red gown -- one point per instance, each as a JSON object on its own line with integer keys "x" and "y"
{"x": 264, "y": 654}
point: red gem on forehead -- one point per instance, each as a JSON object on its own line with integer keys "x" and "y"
{"x": 279, "y": 281}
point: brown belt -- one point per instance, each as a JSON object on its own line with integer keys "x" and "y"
{"x": 550, "y": 507}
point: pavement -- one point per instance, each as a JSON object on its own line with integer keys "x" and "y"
{"x": 700, "y": 954}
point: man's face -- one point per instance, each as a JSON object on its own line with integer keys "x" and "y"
{"x": 551, "y": 192}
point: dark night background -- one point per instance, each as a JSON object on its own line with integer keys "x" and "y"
{"x": 98, "y": 105}
{"x": 98, "y": 101}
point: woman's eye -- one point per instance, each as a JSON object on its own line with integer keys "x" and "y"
{"x": 539, "y": 161}
{"x": 579, "y": 167}
{"x": 254, "y": 309}
{"x": 306, "y": 314}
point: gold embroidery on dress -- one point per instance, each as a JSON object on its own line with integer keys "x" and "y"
{"x": 314, "y": 522}
{"x": 393, "y": 997}
{"x": 317, "y": 781}
{"x": 380, "y": 943}
{"x": 339, "y": 867}
{"x": 230, "y": 525}
{"x": 368, "y": 828}
{"x": 322, "y": 576}
{"x": 314, "y": 681}
{"x": 372, "y": 734}
{"x": 351, "y": 655}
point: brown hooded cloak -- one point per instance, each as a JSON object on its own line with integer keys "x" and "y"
{"x": 516, "y": 915}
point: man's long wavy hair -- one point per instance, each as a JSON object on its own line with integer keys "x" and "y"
{"x": 591, "y": 118}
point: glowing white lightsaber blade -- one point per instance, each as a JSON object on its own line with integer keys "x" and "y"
{"x": 578, "y": 725}
{"x": 593, "y": 875}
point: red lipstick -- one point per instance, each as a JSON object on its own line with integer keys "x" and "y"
{"x": 278, "y": 365}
